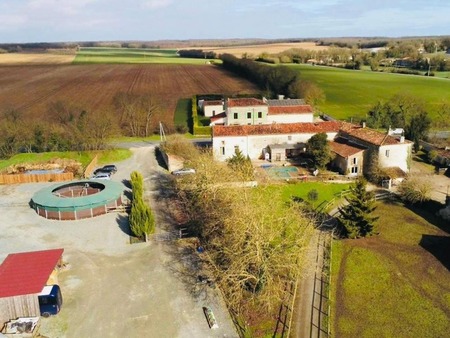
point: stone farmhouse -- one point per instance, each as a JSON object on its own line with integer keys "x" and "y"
{"x": 354, "y": 146}
{"x": 252, "y": 111}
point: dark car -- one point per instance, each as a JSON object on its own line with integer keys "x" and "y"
{"x": 107, "y": 169}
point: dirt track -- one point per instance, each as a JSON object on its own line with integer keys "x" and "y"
{"x": 112, "y": 288}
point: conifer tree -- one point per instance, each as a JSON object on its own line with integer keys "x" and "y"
{"x": 356, "y": 217}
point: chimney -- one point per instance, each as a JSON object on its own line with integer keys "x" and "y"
{"x": 402, "y": 139}
{"x": 363, "y": 124}
{"x": 280, "y": 97}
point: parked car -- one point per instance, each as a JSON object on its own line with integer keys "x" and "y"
{"x": 107, "y": 169}
{"x": 102, "y": 176}
{"x": 184, "y": 171}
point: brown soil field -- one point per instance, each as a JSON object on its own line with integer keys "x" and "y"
{"x": 272, "y": 48}
{"x": 35, "y": 59}
{"x": 31, "y": 89}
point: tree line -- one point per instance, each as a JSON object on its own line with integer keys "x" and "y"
{"x": 67, "y": 127}
{"x": 274, "y": 80}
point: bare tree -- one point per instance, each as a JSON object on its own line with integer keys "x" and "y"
{"x": 136, "y": 112}
{"x": 253, "y": 240}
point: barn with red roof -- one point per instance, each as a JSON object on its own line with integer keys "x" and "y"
{"x": 22, "y": 277}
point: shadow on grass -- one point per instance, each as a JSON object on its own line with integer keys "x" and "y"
{"x": 428, "y": 211}
{"x": 438, "y": 246}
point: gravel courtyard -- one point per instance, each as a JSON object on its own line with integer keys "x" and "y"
{"x": 110, "y": 287}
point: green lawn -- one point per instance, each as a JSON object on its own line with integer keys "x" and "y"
{"x": 84, "y": 157}
{"x": 183, "y": 113}
{"x": 98, "y": 55}
{"x": 326, "y": 191}
{"x": 352, "y": 93}
{"x": 390, "y": 285}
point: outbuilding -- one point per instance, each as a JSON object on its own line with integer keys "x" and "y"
{"x": 23, "y": 276}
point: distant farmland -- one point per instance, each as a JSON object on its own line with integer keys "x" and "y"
{"x": 31, "y": 89}
{"x": 97, "y": 55}
{"x": 352, "y": 93}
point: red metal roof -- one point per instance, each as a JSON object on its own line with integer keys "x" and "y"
{"x": 274, "y": 110}
{"x": 277, "y": 128}
{"x": 27, "y": 272}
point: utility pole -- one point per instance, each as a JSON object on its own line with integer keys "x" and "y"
{"x": 162, "y": 134}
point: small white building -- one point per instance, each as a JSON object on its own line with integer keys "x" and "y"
{"x": 212, "y": 108}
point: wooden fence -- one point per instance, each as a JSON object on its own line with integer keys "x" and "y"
{"x": 90, "y": 167}
{"x": 35, "y": 178}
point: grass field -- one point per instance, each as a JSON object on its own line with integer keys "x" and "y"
{"x": 98, "y": 55}
{"x": 395, "y": 284}
{"x": 326, "y": 191}
{"x": 181, "y": 117}
{"x": 84, "y": 157}
{"x": 352, "y": 93}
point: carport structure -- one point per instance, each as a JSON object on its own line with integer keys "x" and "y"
{"x": 77, "y": 200}
{"x": 22, "y": 277}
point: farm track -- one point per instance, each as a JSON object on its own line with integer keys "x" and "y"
{"x": 92, "y": 87}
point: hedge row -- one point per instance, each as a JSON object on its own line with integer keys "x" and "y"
{"x": 197, "y": 129}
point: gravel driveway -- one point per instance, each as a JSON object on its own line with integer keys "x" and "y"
{"x": 110, "y": 287}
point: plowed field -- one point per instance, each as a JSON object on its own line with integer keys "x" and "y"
{"x": 92, "y": 87}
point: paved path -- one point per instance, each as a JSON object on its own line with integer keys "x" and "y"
{"x": 310, "y": 307}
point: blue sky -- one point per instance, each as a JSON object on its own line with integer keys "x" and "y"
{"x": 110, "y": 20}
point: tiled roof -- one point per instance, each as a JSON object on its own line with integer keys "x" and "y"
{"x": 344, "y": 148}
{"x": 286, "y": 102}
{"x": 302, "y": 109}
{"x": 245, "y": 102}
{"x": 213, "y": 103}
{"x": 277, "y": 128}
{"x": 369, "y": 135}
{"x": 218, "y": 116}
{"x": 27, "y": 272}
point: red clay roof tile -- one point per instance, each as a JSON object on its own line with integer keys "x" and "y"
{"x": 277, "y": 128}
{"x": 245, "y": 102}
{"x": 368, "y": 135}
{"x": 276, "y": 110}
{"x": 212, "y": 103}
{"x": 218, "y": 117}
{"x": 344, "y": 149}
